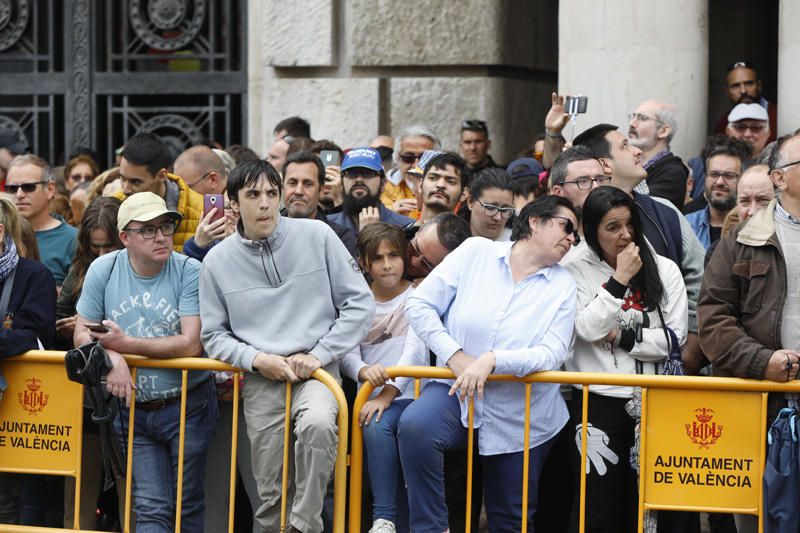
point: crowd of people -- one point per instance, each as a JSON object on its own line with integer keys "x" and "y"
{"x": 606, "y": 254}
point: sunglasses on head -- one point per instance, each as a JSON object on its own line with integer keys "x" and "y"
{"x": 474, "y": 125}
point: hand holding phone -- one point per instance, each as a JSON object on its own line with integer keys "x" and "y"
{"x": 96, "y": 327}
{"x": 210, "y": 201}
{"x": 330, "y": 158}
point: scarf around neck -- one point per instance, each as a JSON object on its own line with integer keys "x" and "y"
{"x": 9, "y": 258}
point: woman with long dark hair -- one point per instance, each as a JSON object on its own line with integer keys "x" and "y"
{"x": 627, "y": 299}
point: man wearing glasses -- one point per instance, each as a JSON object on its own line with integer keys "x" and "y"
{"x": 749, "y": 122}
{"x": 475, "y": 145}
{"x": 144, "y": 167}
{"x": 399, "y": 191}
{"x": 362, "y": 182}
{"x": 651, "y": 128}
{"x": 573, "y": 176}
{"x": 743, "y": 86}
{"x": 724, "y": 168}
{"x": 31, "y": 182}
{"x": 146, "y": 297}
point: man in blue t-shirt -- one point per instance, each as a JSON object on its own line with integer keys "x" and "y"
{"x": 32, "y": 183}
{"x": 147, "y": 297}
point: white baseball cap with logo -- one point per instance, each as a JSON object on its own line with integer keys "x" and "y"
{"x": 143, "y": 207}
{"x": 748, "y": 111}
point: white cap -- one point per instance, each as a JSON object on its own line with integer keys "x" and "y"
{"x": 748, "y": 111}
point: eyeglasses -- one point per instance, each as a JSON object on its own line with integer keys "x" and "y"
{"x": 414, "y": 251}
{"x": 641, "y": 117}
{"x": 474, "y": 125}
{"x": 363, "y": 173}
{"x": 787, "y": 165}
{"x": 585, "y": 182}
{"x": 491, "y": 210}
{"x": 569, "y": 228}
{"x": 204, "y": 176}
{"x": 26, "y": 187}
{"x": 727, "y": 176}
{"x": 81, "y": 177}
{"x": 149, "y": 232}
{"x": 741, "y": 128}
{"x": 409, "y": 157}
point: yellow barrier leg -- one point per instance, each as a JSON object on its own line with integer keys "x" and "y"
{"x": 764, "y": 397}
{"x": 181, "y": 442}
{"x": 357, "y": 459}
{"x": 287, "y": 427}
{"x": 129, "y": 465}
{"x": 584, "y": 436}
{"x": 642, "y": 462}
{"x": 234, "y": 447}
{"x": 526, "y": 457}
{"x": 470, "y": 453}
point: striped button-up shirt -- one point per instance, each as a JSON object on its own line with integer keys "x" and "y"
{"x": 528, "y": 325}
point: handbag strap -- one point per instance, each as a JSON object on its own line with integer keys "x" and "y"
{"x": 5, "y": 295}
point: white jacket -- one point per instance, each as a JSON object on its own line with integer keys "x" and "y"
{"x": 599, "y": 312}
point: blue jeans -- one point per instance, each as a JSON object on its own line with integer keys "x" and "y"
{"x": 428, "y": 427}
{"x": 383, "y": 463}
{"x": 155, "y": 460}
{"x": 502, "y": 487}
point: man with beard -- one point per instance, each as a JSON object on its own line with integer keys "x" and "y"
{"x": 475, "y": 145}
{"x": 743, "y": 86}
{"x": 651, "y": 128}
{"x": 441, "y": 185}
{"x": 724, "y": 167}
{"x": 303, "y": 178}
{"x": 363, "y": 180}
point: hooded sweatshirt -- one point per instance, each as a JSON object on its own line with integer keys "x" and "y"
{"x": 298, "y": 290}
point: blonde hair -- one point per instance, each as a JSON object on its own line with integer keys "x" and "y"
{"x": 99, "y": 183}
{"x": 10, "y": 219}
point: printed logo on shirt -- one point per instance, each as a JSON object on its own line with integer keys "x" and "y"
{"x": 354, "y": 265}
{"x": 166, "y": 323}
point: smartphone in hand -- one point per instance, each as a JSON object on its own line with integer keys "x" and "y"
{"x": 330, "y": 158}
{"x": 96, "y": 327}
{"x": 211, "y": 201}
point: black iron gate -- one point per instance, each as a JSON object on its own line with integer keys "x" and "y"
{"x": 92, "y": 73}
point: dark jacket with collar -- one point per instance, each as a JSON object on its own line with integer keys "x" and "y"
{"x": 31, "y": 310}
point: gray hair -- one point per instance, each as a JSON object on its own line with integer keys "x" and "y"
{"x": 31, "y": 159}
{"x": 415, "y": 131}
{"x": 666, "y": 115}
{"x": 227, "y": 160}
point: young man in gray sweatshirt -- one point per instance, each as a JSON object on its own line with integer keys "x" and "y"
{"x": 281, "y": 298}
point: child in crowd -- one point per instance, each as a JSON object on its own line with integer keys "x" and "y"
{"x": 381, "y": 249}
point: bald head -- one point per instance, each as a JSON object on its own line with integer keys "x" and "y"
{"x": 202, "y": 170}
{"x": 753, "y": 191}
{"x": 652, "y": 127}
{"x": 382, "y": 140}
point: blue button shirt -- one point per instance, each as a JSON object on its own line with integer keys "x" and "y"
{"x": 700, "y": 223}
{"x": 528, "y": 325}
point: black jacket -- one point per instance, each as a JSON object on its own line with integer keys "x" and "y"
{"x": 667, "y": 179}
{"x": 31, "y": 310}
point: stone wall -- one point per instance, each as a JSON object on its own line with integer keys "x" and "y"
{"x": 359, "y": 68}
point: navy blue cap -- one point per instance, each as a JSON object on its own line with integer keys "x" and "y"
{"x": 527, "y": 167}
{"x": 362, "y": 158}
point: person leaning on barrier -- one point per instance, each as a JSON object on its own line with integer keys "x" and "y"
{"x": 624, "y": 290}
{"x": 747, "y": 315}
{"x": 281, "y": 298}
{"x": 147, "y": 297}
{"x": 515, "y": 331}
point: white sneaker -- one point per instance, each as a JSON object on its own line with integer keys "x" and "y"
{"x": 382, "y": 526}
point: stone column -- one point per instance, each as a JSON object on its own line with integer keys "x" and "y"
{"x": 621, "y": 52}
{"x": 788, "y": 67}
{"x": 357, "y": 68}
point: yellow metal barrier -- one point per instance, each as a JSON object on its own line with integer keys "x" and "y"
{"x": 39, "y": 357}
{"x": 671, "y": 390}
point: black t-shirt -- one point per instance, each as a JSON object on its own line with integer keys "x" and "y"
{"x": 714, "y": 232}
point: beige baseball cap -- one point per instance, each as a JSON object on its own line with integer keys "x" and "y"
{"x": 143, "y": 207}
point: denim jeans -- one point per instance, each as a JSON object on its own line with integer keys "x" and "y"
{"x": 383, "y": 463}
{"x": 155, "y": 461}
{"x": 428, "y": 427}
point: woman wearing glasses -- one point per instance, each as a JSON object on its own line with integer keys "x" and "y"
{"x": 490, "y": 204}
{"x": 627, "y": 298}
{"x": 494, "y": 321}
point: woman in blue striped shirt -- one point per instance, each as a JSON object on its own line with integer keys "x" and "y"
{"x": 491, "y": 307}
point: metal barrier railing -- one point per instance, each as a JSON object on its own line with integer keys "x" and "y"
{"x": 656, "y": 383}
{"x": 186, "y": 364}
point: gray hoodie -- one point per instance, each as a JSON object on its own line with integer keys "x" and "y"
{"x": 298, "y": 290}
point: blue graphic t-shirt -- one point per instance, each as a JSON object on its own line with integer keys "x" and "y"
{"x": 144, "y": 307}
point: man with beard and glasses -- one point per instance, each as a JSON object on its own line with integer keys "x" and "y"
{"x": 650, "y": 129}
{"x": 724, "y": 167}
{"x": 303, "y": 179}
{"x": 743, "y": 86}
{"x": 363, "y": 180}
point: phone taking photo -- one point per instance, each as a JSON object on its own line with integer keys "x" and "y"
{"x": 210, "y": 201}
{"x": 330, "y": 158}
{"x": 575, "y": 105}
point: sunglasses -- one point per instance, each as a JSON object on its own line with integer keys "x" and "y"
{"x": 26, "y": 187}
{"x": 570, "y": 228}
{"x": 474, "y": 125}
{"x": 414, "y": 251}
{"x": 409, "y": 157}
